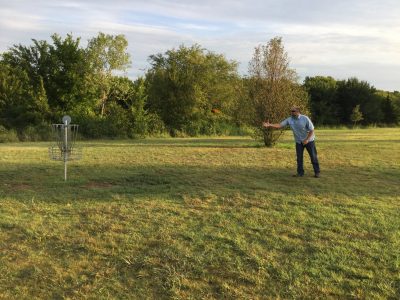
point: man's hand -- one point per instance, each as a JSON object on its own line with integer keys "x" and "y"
{"x": 266, "y": 124}
{"x": 305, "y": 142}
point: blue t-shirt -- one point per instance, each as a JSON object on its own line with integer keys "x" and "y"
{"x": 300, "y": 126}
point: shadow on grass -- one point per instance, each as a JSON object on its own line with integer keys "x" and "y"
{"x": 358, "y": 141}
{"x": 173, "y": 182}
{"x": 178, "y": 142}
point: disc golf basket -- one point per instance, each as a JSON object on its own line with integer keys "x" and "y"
{"x": 65, "y": 135}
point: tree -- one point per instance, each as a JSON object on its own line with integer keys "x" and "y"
{"x": 273, "y": 88}
{"x": 43, "y": 81}
{"x": 59, "y": 69}
{"x": 390, "y": 116}
{"x": 66, "y": 85}
{"x": 356, "y": 115}
{"x": 132, "y": 97}
{"x": 322, "y": 91}
{"x": 21, "y": 104}
{"x": 185, "y": 84}
{"x": 352, "y": 92}
{"x": 106, "y": 54}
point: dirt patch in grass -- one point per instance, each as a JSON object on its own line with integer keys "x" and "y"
{"x": 18, "y": 186}
{"x": 98, "y": 185}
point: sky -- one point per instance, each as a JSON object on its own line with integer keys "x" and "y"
{"x": 340, "y": 38}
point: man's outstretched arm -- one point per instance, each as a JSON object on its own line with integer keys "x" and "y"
{"x": 268, "y": 124}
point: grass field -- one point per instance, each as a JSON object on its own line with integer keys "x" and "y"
{"x": 203, "y": 219}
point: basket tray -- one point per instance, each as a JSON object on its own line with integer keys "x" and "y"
{"x": 56, "y": 153}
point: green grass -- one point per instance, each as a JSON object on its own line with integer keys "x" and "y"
{"x": 202, "y": 219}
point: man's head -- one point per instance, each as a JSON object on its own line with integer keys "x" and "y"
{"x": 295, "y": 111}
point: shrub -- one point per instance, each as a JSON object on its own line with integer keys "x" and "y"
{"x": 8, "y": 136}
{"x": 153, "y": 123}
{"x": 40, "y": 132}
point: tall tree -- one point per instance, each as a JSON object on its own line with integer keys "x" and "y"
{"x": 66, "y": 84}
{"x": 322, "y": 92}
{"x": 273, "y": 88}
{"x": 59, "y": 68}
{"x": 352, "y": 92}
{"x": 390, "y": 115}
{"x": 132, "y": 97}
{"x": 185, "y": 84}
{"x": 106, "y": 54}
{"x": 21, "y": 104}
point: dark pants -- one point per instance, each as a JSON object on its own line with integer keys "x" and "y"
{"x": 312, "y": 151}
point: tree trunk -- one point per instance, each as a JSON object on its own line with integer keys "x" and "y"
{"x": 103, "y": 104}
{"x": 268, "y": 137}
{"x": 271, "y": 136}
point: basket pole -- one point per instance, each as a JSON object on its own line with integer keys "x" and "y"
{"x": 65, "y": 148}
{"x": 65, "y": 170}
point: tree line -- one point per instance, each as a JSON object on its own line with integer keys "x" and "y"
{"x": 186, "y": 91}
{"x": 335, "y": 102}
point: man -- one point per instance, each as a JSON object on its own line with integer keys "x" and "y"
{"x": 303, "y": 132}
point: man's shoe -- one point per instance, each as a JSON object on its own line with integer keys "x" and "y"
{"x": 316, "y": 175}
{"x": 298, "y": 175}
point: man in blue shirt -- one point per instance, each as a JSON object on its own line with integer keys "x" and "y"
{"x": 303, "y": 132}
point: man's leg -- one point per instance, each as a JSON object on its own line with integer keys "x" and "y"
{"x": 312, "y": 151}
{"x": 299, "y": 154}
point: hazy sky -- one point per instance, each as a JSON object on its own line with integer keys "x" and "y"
{"x": 338, "y": 38}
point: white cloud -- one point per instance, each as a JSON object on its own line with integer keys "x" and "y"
{"x": 338, "y": 38}
{"x": 13, "y": 20}
{"x": 190, "y": 26}
{"x": 115, "y": 27}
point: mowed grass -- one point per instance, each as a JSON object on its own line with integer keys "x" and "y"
{"x": 209, "y": 218}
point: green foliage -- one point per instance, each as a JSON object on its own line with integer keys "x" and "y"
{"x": 352, "y": 92}
{"x": 139, "y": 116}
{"x": 187, "y": 91}
{"x": 155, "y": 125}
{"x": 43, "y": 82}
{"x": 41, "y": 132}
{"x": 125, "y": 116}
{"x": 322, "y": 93}
{"x": 332, "y": 102}
{"x": 185, "y": 84}
{"x": 391, "y": 114}
{"x": 21, "y": 104}
{"x": 8, "y": 136}
{"x": 106, "y": 54}
{"x": 65, "y": 78}
{"x": 114, "y": 125}
{"x": 356, "y": 115}
{"x": 57, "y": 70}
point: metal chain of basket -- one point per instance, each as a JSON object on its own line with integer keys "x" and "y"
{"x": 65, "y": 135}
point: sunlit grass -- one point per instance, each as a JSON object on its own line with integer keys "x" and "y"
{"x": 203, "y": 218}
